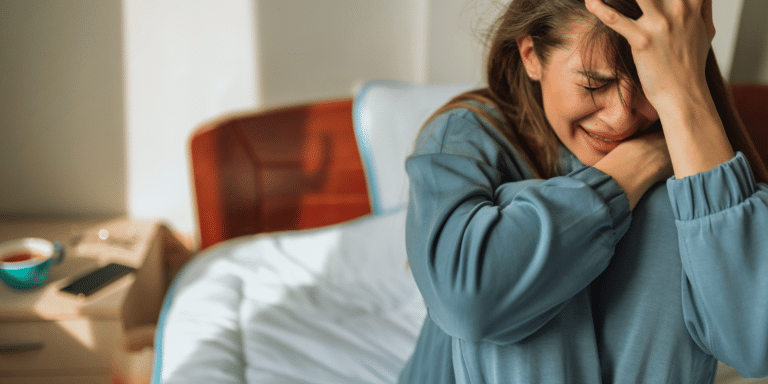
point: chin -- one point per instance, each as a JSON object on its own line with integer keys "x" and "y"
{"x": 587, "y": 155}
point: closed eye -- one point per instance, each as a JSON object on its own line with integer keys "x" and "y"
{"x": 593, "y": 78}
{"x": 590, "y": 88}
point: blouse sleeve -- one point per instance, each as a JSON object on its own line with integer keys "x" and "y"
{"x": 496, "y": 256}
{"x": 722, "y": 223}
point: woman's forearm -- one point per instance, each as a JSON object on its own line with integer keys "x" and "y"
{"x": 650, "y": 162}
{"x": 694, "y": 132}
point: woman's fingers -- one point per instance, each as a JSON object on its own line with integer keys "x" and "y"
{"x": 706, "y": 13}
{"x": 615, "y": 20}
{"x": 669, "y": 42}
{"x": 652, "y": 7}
{"x": 656, "y": 13}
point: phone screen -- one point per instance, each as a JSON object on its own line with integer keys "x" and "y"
{"x": 97, "y": 279}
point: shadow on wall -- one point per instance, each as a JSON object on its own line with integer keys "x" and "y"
{"x": 748, "y": 63}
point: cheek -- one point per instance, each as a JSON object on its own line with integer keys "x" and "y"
{"x": 565, "y": 106}
{"x": 556, "y": 105}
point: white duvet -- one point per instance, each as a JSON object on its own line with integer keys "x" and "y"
{"x": 332, "y": 305}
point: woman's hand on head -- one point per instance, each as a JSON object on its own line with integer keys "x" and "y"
{"x": 670, "y": 43}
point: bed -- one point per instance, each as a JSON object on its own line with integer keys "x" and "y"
{"x": 302, "y": 272}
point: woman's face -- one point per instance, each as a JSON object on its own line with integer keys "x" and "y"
{"x": 589, "y": 114}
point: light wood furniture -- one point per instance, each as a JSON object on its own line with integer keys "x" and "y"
{"x": 49, "y": 336}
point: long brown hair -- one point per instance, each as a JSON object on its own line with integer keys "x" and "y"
{"x": 518, "y": 99}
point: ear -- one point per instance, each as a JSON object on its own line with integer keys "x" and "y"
{"x": 530, "y": 60}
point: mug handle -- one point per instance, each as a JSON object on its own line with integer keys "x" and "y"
{"x": 58, "y": 252}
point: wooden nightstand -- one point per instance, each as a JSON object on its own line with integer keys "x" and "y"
{"x": 47, "y": 336}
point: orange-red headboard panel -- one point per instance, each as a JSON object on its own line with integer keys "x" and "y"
{"x": 284, "y": 169}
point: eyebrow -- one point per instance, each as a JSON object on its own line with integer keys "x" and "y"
{"x": 595, "y": 76}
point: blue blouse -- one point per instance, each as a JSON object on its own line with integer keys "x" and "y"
{"x": 557, "y": 281}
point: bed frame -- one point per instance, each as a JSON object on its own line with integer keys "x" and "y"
{"x": 289, "y": 168}
{"x": 299, "y": 167}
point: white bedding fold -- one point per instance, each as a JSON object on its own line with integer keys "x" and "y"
{"x": 332, "y": 305}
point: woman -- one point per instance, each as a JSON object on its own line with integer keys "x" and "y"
{"x": 540, "y": 232}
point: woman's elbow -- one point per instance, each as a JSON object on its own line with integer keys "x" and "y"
{"x": 459, "y": 317}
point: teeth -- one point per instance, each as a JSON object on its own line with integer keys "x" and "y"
{"x": 600, "y": 137}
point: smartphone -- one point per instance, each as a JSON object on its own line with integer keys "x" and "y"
{"x": 93, "y": 281}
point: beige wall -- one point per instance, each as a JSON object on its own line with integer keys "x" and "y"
{"x": 456, "y": 31}
{"x": 99, "y": 96}
{"x": 727, "y": 14}
{"x": 62, "y": 146}
{"x": 311, "y": 50}
{"x": 186, "y": 61}
{"x": 750, "y": 62}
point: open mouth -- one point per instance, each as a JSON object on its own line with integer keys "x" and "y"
{"x": 607, "y": 140}
{"x": 601, "y": 143}
{"x": 608, "y": 143}
{"x": 655, "y": 127}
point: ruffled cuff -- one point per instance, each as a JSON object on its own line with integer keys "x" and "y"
{"x": 613, "y": 196}
{"x": 709, "y": 192}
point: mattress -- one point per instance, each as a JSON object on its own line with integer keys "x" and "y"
{"x": 331, "y": 305}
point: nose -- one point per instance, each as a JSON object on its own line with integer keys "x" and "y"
{"x": 626, "y": 109}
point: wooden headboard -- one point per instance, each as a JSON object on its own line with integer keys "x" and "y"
{"x": 299, "y": 167}
{"x": 283, "y": 169}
